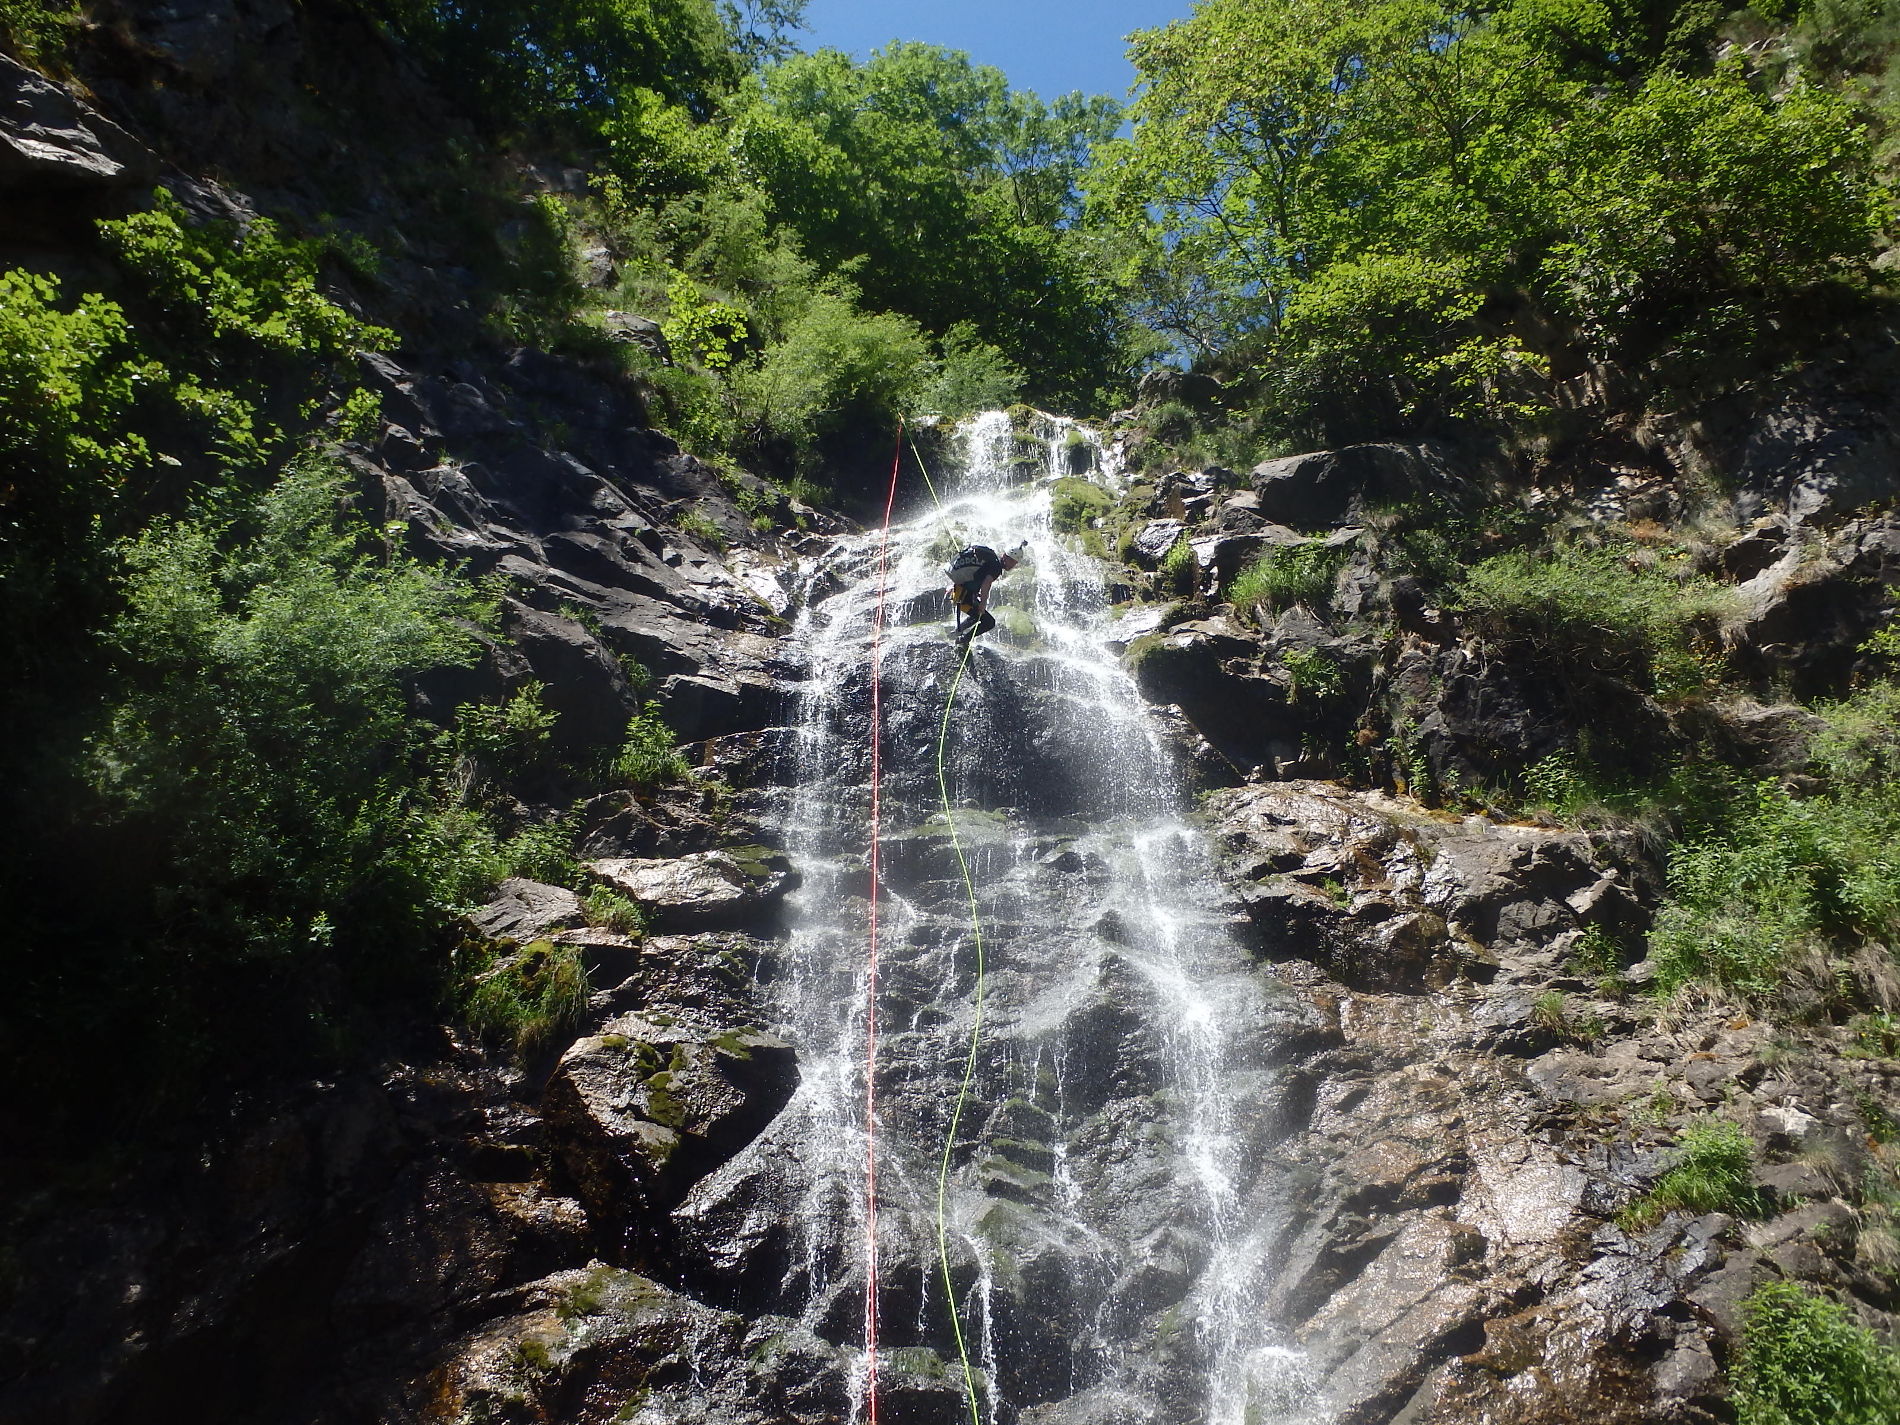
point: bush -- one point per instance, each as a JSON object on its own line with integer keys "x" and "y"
{"x": 525, "y": 1000}
{"x": 1312, "y": 673}
{"x": 265, "y": 739}
{"x": 569, "y": 63}
{"x": 1701, "y": 193}
{"x": 1713, "y": 1175}
{"x": 66, "y": 385}
{"x": 35, "y": 30}
{"x": 1602, "y": 608}
{"x": 971, "y": 376}
{"x": 1783, "y": 876}
{"x": 1180, "y": 571}
{"x": 607, "y": 909}
{"x": 650, "y": 757}
{"x": 1287, "y": 575}
{"x": 1805, "y": 1360}
{"x": 701, "y": 528}
{"x": 1389, "y": 341}
{"x": 834, "y": 366}
{"x": 510, "y": 736}
{"x": 1862, "y": 739}
{"x": 544, "y": 852}
{"x": 254, "y": 289}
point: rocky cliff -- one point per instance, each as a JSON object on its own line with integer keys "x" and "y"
{"x": 1445, "y": 1102}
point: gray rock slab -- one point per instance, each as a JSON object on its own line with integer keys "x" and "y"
{"x": 49, "y": 139}
{"x": 704, "y": 890}
{"x": 527, "y": 910}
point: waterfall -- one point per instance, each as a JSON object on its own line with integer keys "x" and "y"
{"x": 1107, "y": 1213}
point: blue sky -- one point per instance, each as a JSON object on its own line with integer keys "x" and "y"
{"x": 1050, "y": 46}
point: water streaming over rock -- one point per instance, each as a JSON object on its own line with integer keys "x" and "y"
{"x": 1105, "y": 1205}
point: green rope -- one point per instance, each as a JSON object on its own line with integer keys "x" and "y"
{"x": 969, "y": 1064}
{"x": 924, "y": 470}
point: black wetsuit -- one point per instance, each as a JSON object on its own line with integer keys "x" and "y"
{"x": 974, "y": 570}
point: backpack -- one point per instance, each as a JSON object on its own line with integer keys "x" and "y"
{"x": 973, "y": 563}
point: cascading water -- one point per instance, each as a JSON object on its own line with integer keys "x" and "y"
{"x": 1105, "y": 1213}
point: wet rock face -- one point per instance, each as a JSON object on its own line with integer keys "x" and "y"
{"x": 1449, "y": 1247}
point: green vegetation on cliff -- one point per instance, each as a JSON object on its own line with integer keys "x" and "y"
{"x": 1408, "y": 215}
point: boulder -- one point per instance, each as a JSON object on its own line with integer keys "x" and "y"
{"x": 1319, "y": 488}
{"x": 1153, "y": 541}
{"x": 1225, "y": 554}
{"x": 705, "y": 890}
{"x": 583, "y": 1344}
{"x": 1205, "y": 667}
{"x": 527, "y": 910}
{"x": 51, "y": 140}
{"x": 637, "y": 331}
{"x": 642, "y": 1110}
{"x": 1811, "y": 459}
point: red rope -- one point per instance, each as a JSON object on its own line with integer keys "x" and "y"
{"x": 870, "y": 993}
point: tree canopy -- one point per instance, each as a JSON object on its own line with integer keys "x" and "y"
{"x": 1400, "y": 176}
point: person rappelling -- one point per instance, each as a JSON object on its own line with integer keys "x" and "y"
{"x": 972, "y": 573}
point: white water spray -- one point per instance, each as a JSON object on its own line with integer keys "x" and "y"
{"x": 1103, "y": 1166}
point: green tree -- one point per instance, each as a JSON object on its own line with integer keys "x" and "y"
{"x": 568, "y": 64}
{"x": 1699, "y": 191}
{"x": 946, "y": 196}
{"x": 1313, "y": 190}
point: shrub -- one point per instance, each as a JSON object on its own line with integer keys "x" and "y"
{"x": 835, "y": 365}
{"x": 544, "y": 852}
{"x": 650, "y": 757}
{"x": 1180, "y": 571}
{"x": 254, "y": 288}
{"x": 65, "y": 388}
{"x": 608, "y": 909}
{"x": 36, "y": 29}
{"x": 702, "y": 328}
{"x": 1704, "y": 188}
{"x": 569, "y": 63}
{"x": 285, "y": 872}
{"x": 1171, "y": 422}
{"x": 1805, "y": 1360}
{"x": 266, "y": 731}
{"x": 1602, "y": 608}
{"x": 704, "y": 530}
{"x": 971, "y": 376}
{"x": 1390, "y": 337}
{"x": 1312, "y": 673}
{"x": 1781, "y": 876}
{"x": 1287, "y": 575}
{"x": 695, "y": 405}
{"x": 1862, "y": 738}
{"x": 1713, "y": 1175}
{"x": 512, "y": 735}
{"x": 1876, "y": 1036}
{"x": 524, "y": 1000}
